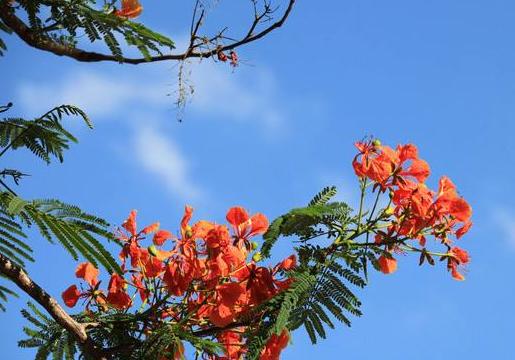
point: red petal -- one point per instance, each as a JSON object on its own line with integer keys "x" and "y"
{"x": 464, "y": 229}
{"x": 130, "y": 223}
{"x": 387, "y": 265}
{"x": 116, "y": 283}
{"x": 88, "y": 272}
{"x": 259, "y": 224}
{"x": 419, "y": 169}
{"x": 188, "y": 213}
{"x": 236, "y": 216}
{"x": 407, "y": 152}
{"x": 288, "y": 263}
{"x": 161, "y": 236}
{"x": 456, "y": 275}
{"x": 71, "y": 296}
{"x": 221, "y": 315}
{"x": 460, "y": 209}
{"x": 150, "y": 229}
{"x": 119, "y": 299}
{"x": 130, "y": 9}
{"x": 460, "y": 255}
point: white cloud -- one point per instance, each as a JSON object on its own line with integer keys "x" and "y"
{"x": 506, "y": 222}
{"x": 160, "y": 156}
{"x": 98, "y": 94}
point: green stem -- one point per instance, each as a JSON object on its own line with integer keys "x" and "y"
{"x": 363, "y": 186}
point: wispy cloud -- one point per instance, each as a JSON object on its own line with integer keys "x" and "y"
{"x": 247, "y": 95}
{"x": 160, "y": 156}
{"x": 97, "y": 93}
{"x": 506, "y": 221}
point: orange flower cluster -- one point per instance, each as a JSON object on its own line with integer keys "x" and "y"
{"x": 203, "y": 272}
{"x": 130, "y": 9}
{"x": 417, "y": 210}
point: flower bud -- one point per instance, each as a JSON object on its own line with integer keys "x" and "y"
{"x": 376, "y": 142}
{"x": 188, "y": 232}
{"x": 257, "y": 256}
{"x": 389, "y": 211}
{"x": 254, "y": 245}
{"x": 152, "y": 250}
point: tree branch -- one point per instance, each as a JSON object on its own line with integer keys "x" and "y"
{"x": 25, "y": 283}
{"x": 44, "y": 42}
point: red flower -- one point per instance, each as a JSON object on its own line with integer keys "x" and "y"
{"x": 116, "y": 295}
{"x": 152, "y": 267}
{"x": 287, "y": 264}
{"x": 218, "y": 238}
{"x": 71, "y": 296}
{"x": 234, "y": 58}
{"x": 407, "y": 152}
{"x": 274, "y": 346}
{"x": 260, "y": 283}
{"x": 130, "y": 9}
{"x": 177, "y": 277}
{"x": 457, "y": 258}
{"x": 448, "y": 201}
{"x": 375, "y": 162}
{"x": 233, "y": 343}
{"x": 245, "y": 226}
{"x": 231, "y": 299}
{"x": 221, "y": 56}
{"x": 387, "y": 265}
{"x": 388, "y": 167}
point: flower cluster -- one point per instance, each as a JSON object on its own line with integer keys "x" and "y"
{"x": 414, "y": 211}
{"x": 207, "y": 280}
{"x": 201, "y": 279}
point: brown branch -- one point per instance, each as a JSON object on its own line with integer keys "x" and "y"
{"x": 25, "y": 283}
{"x": 43, "y": 42}
{"x": 216, "y": 330}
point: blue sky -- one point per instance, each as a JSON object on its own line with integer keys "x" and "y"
{"x": 270, "y": 134}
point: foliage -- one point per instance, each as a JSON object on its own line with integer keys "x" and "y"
{"x": 77, "y": 231}
{"x": 64, "y": 21}
{"x": 48, "y": 337}
{"x": 45, "y": 136}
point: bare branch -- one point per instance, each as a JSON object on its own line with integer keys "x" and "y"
{"x": 43, "y": 42}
